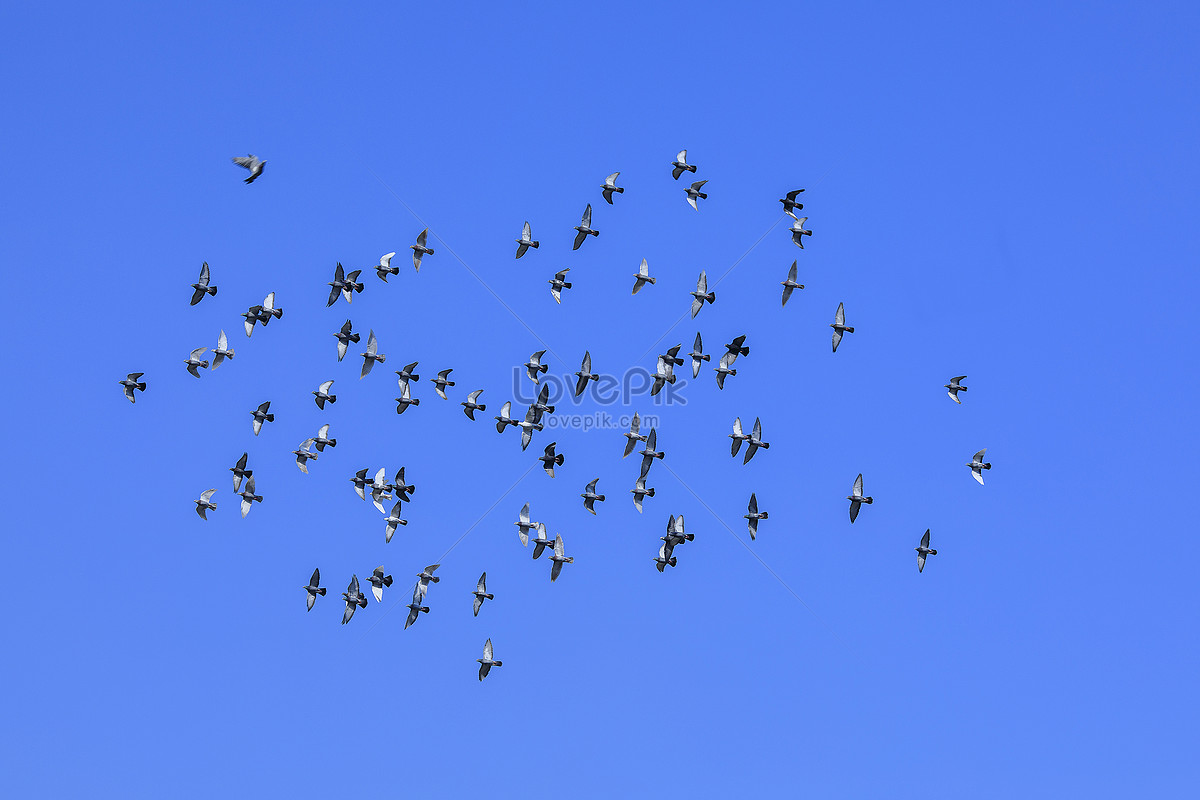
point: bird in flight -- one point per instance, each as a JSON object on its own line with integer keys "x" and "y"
{"x": 252, "y": 163}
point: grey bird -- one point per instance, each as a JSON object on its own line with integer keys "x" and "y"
{"x": 322, "y": 438}
{"x": 528, "y": 426}
{"x": 558, "y": 283}
{"x": 737, "y": 436}
{"x": 701, "y": 294}
{"x": 675, "y": 535}
{"x": 205, "y": 503}
{"x": 361, "y": 483}
{"x": 303, "y": 454}
{"x": 558, "y": 558}
{"x": 414, "y": 610}
{"x": 378, "y": 582}
{"x": 590, "y": 497}
{"x": 385, "y": 268}
{"x": 524, "y": 525}
{"x": 441, "y": 382}
{"x": 665, "y": 557}
{"x": 923, "y": 551}
{"x": 694, "y": 193}
{"x": 642, "y": 277}
{"x": 753, "y": 515}
{"x": 403, "y": 490}
{"x": 632, "y": 437}
{"x": 251, "y": 316}
{"x": 664, "y": 373}
{"x": 323, "y": 396}
{"x": 680, "y": 165}
{"x": 405, "y": 399}
{"x": 723, "y": 369}
{"x": 201, "y": 287}
{"x": 392, "y": 521}
{"x": 268, "y": 310}
{"x": 352, "y": 285}
{"x": 549, "y": 459}
{"x": 248, "y": 496}
{"x": 534, "y": 365}
{"x": 419, "y": 249}
{"x": 486, "y": 663}
{"x": 610, "y": 186}
{"x": 839, "y": 326}
{"x": 371, "y": 355}
{"x": 221, "y": 351}
{"x": 736, "y": 348}
{"x": 504, "y": 420}
{"x": 539, "y": 405}
{"x": 639, "y": 492}
{"x": 132, "y": 384}
{"x": 672, "y": 356}
{"x": 380, "y": 490}
{"x": 798, "y": 231}
{"x": 698, "y": 355}
{"x": 194, "y": 361}
{"x": 649, "y": 453}
{"x": 789, "y": 203}
{"x": 481, "y": 594}
{"x": 585, "y": 373}
{"x": 978, "y": 465}
{"x": 540, "y": 540}
{"x": 856, "y": 498}
{"x": 252, "y": 163}
{"x": 790, "y": 283}
{"x": 584, "y": 228}
{"x": 345, "y": 336}
{"x": 354, "y": 599}
{"x": 239, "y": 472}
{"x": 954, "y": 387}
{"x": 424, "y": 578}
{"x": 526, "y": 241}
{"x": 314, "y": 588}
{"x": 472, "y": 405}
{"x": 755, "y": 441}
{"x": 405, "y": 375}
{"x": 338, "y": 286}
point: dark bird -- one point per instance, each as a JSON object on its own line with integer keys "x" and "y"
{"x": 540, "y": 540}
{"x": 345, "y": 336}
{"x": 549, "y": 459}
{"x": 680, "y": 165}
{"x": 486, "y": 663}
{"x": 540, "y": 406}
{"x": 559, "y": 282}
{"x": 314, "y": 588}
{"x": 610, "y": 186}
{"x": 632, "y": 437}
{"x": 354, "y": 599}
{"x": 303, "y": 454}
{"x": 698, "y": 356}
{"x": 526, "y": 241}
{"x": 954, "y": 387}
{"x": 472, "y": 405}
{"x": 252, "y": 163}
{"x": 839, "y": 326}
{"x": 534, "y": 365}
{"x": 251, "y": 316}
{"x": 221, "y": 351}
{"x": 201, "y": 286}
{"x": 419, "y": 249}
{"x": 371, "y": 355}
{"x": 665, "y": 557}
{"x": 441, "y": 382}
{"x": 789, "y": 203}
{"x": 642, "y": 277}
{"x": 403, "y": 490}
{"x": 723, "y": 369}
{"x": 856, "y": 498}
{"x": 380, "y": 490}
{"x": 194, "y": 361}
{"x": 405, "y": 375}
{"x": 736, "y": 348}
{"x": 528, "y": 426}
{"x": 754, "y": 442}
{"x": 414, "y": 609}
{"x": 248, "y": 496}
{"x": 385, "y": 268}
{"x": 923, "y": 551}
{"x": 393, "y": 519}
{"x": 524, "y": 525}
{"x": 322, "y": 438}
{"x": 239, "y": 472}
{"x": 590, "y": 497}
{"x": 675, "y": 535}
{"x": 558, "y": 558}
{"x": 268, "y": 310}
{"x": 664, "y": 372}
{"x": 672, "y": 356}
{"x": 649, "y": 453}
{"x": 639, "y": 491}
{"x": 424, "y": 578}
{"x": 378, "y": 582}
{"x": 790, "y": 283}
{"x": 585, "y": 228}
{"x": 131, "y": 384}
{"x": 585, "y": 373}
{"x": 753, "y": 515}
{"x": 504, "y": 420}
{"x": 481, "y": 594}
{"x": 737, "y": 436}
{"x": 205, "y": 503}
{"x": 701, "y": 294}
{"x": 978, "y": 465}
{"x": 323, "y": 396}
{"x": 405, "y": 399}
{"x": 694, "y": 193}
{"x": 346, "y": 285}
{"x": 798, "y": 231}
{"x": 361, "y": 483}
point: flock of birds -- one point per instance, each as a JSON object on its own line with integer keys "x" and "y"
{"x": 345, "y": 285}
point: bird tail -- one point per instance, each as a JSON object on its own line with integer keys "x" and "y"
{"x": 600, "y": 498}
{"x": 362, "y": 602}
{"x": 649, "y": 493}
{"x": 534, "y": 245}
{"x": 745, "y": 351}
{"x": 333, "y": 442}
{"x": 689, "y": 536}
{"x": 142, "y": 386}
{"x": 270, "y": 418}
{"x": 490, "y": 596}
{"x": 933, "y": 552}
{"x": 416, "y": 401}
{"x": 566, "y": 286}
{"x": 987, "y": 466}
{"x": 848, "y": 330}
{"x": 381, "y": 358}
{"x": 435, "y": 579}
{"x": 672, "y": 560}
{"x": 387, "y": 580}
{"x": 277, "y": 313}
{"x": 868, "y": 500}
{"x": 558, "y": 459}
{"x": 764, "y": 515}
{"x": 321, "y": 591}
{"x": 483, "y": 407}
{"x": 765, "y": 446}
{"x": 212, "y": 290}
{"x": 711, "y": 298}
{"x": 204, "y": 364}
{"x": 548, "y": 408}
{"x": 497, "y": 663}
{"x": 333, "y": 398}
{"x": 690, "y": 167}
{"x": 702, "y": 195}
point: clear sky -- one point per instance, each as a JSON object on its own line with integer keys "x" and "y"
{"x": 1006, "y": 192}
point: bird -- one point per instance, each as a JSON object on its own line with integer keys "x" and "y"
{"x": 639, "y": 491}
{"x": 839, "y": 326}
{"x": 268, "y": 310}
{"x": 252, "y": 163}
{"x": 558, "y": 558}
{"x": 201, "y": 286}
{"x": 590, "y": 497}
{"x": 701, "y": 294}
{"x": 856, "y": 498}
{"x": 385, "y": 268}
{"x": 481, "y": 594}
{"x": 526, "y": 241}
{"x": 221, "y": 351}
{"x": 441, "y": 382}
{"x": 393, "y": 520}
{"x": 694, "y": 193}
{"x": 539, "y": 405}
{"x": 672, "y": 356}
{"x": 549, "y": 459}
{"x": 610, "y": 186}
{"x": 790, "y": 283}
{"x": 504, "y": 420}
{"x": 524, "y": 525}
{"x": 354, "y": 599}
{"x": 405, "y": 375}
{"x": 486, "y": 663}
{"x": 424, "y": 578}
{"x": 322, "y": 395}
{"x": 665, "y": 557}
{"x": 194, "y": 361}
{"x": 737, "y": 436}
{"x": 558, "y": 283}
{"x": 978, "y": 465}
{"x": 380, "y": 490}
{"x": 585, "y": 228}
{"x": 528, "y": 426}
{"x": 361, "y": 483}
{"x": 923, "y": 551}
{"x": 632, "y": 437}
{"x": 378, "y": 582}
{"x": 303, "y": 454}
{"x": 680, "y": 165}
{"x": 723, "y": 369}
{"x": 353, "y": 284}
{"x": 345, "y": 285}
{"x": 642, "y": 277}
{"x": 755, "y": 441}
{"x": 205, "y": 503}
{"x": 798, "y": 230}
{"x": 322, "y": 438}
{"x": 585, "y": 373}
{"x": 239, "y": 472}
{"x": 345, "y": 336}
{"x": 534, "y": 365}
{"x": 698, "y": 355}
{"x": 414, "y": 610}
{"x": 472, "y": 405}
{"x": 403, "y": 490}
{"x": 753, "y": 515}
{"x": 736, "y": 348}
{"x": 664, "y": 373}
{"x": 675, "y": 535}
{"x": 649, "y": 453}
{"x": 131, "y": 384}
{"x": 419, "y": 249}
{"x": 954, "y": 387}
{"x": 405, "y": 399}
{"x": 248, "y": 496}
{"x": 371, "y": 355}
{"x": 789, "y": 203}
{"x": 540, "y": 541}
{"x": 251, "y": 317}
{"x": 314, "y": 588}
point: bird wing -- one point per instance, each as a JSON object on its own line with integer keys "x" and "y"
{"x": 636, "y": 424}
{"x": 587, "y": 216}
{"x": 756, "y": 431}
{"x": 858, "y": 484}
{"x": 579, "y": 237}
{"x": 925, "y": 539}
{"x": 691, "y": 201}
{"x": 586, "y": 369}
{"x": 487, "y": 650}
{"x": 611, "y": 180}
{"x": 372, "y": 343}
{"x": 199, "y": 351}
{"x": 269, "y": 302}
{"x": 681, "y": 156}
{"x": 854, "y": 509}
{"x": 207, "y": 495}
{"x": 839, "y": 318}
{"x": 423, "y": 237}
{"x": 753, "y": 505}
{"x": 526, "y": 437}
{"x": 702, "y": 283}
{"x": 526, "y": 233}
{"x": 244, "y": 161}
{"x": 979, "y": 456}
{"x": 559, "y": 550}
{"x": 385, "y": 260}
{"x": 696, "y": 186}
{"x": 324, "y": 387}
{"x": 644, "y": 268}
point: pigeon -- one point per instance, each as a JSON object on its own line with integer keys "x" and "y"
{"x": 610, "y": 186}
{"x": 314, "y": 588}
{"x": 649, "y": 453}
{"x": 378, "y": 582}
{"x": 424, "y": 577}
{"x": 353, "y": 284}
{"x": 723, "y": 369}
{"x": 472, "y": 405}
{"x": 441, "y": 382}
{"x": 753, "y": 516}
{"x": 675, "y": 535}
{"x": 205, "y": 503}
{"x": 322, "y": 395}
{"x": 557, "y": 558}
{"x": 590, "y": 497}
{"x": 385, "y": 267}
{"x": 371, "y": 355}
{"x": 539, "y": 405}
{"x": 322, "y": 439}
{"x": 558, "y": 283}
{"x": 694, "y": 193}
{"x": 701, "y": 294}
{"x": 194, "y": 361}
{"x": 856, "y": 498}
{"x": 239, "y": 472}
{"x": 525, "y": 242}
{"x": 481, "y": 595}
{"x": 672, "y": 356}
{"x": 201, "y": 286}
{"x": 131, "y": 384}
{"x": 665, "y": 558}
{"x": 585, "y": 373}
{"x": 405, "y": 375}
{"x": 405, "y": 399}
{"x": 345, "y": 336}
{"x": 698, "y": 355}
{"x": 380, "y": 490}
{"x": 790, "y": 283}
{"x": 221, "y": 351}
{"x": 798, "y": 230}
{"x": 754, "y": 442}
{"x": 504, "y": 420}
{"x": 486, "y": 663}
{"x": 639, "y": 491}
{"x": 923, "y": 551}
{"x": 839, "y": 326}
{"x": 540, "y": 541}
{"x": 252, "y": 163}
{"x": 269, "y": 310}
{"x": 737, "y": 436}
{"x": 414, "y": 609}
{"x": 251, "y": 316}
{"x": 549, "y": 459}
{"x": 680, "y": 165}
{"x": 248, "y": 496}
{"x": 528, "y": 426}
{"x": 736, "y": 348}
{"x": 534, "y": 365}
{"x": 361, "y": 483}
{"x": 978, "y": 465}
{"x": 354, "y": 599}
{"x": 633, "y": 437}
{"x": 642, "y": 277}
{"x": 584, "y": 228}
{"x": 403, "y": 490}
{"x": 664, "y": 373}
{"x": 419, "y": 249}
{"x": 523, "y": 525}
{"x": 339, "y": 286}
{"x": 303, "y": 454}
{"x": 789, "y": 203}
{"x": 393, "y": 519}
{"x": 954, "y": 387}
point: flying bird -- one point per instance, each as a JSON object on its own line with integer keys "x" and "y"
{"x": 954, "y": 387}
{"x": 534, "y": 365}
{"x": 558, "y": 283}
{"x": 424, "y": 578}
{"x": 252, "y": 163}
{"x": 194, "y": 361}
{"x": 251, "y": 316}
{"x": 322, "y": 438}
{"x": 610, "y": 186}
{"x": 371, "y": 355}
{"x": 322, "y": 395}
{"x": 405, "y": 375}
{"x": 268, "y": 310}
{"x": 131, "y": 384}
{"x": 680, "y": 165}
{"x": 633, "y": 437}
{"x": 923, "y": 551}
{"x": 558, "y": 558}
{"x": 798, "y": 231}
{"x": 380, "y": 490}
{"x": 664, "y": 373}
{"x": 539, "y": 405}
{"x": 481, "y": 594}
{"x": 361, "y": 483}
{"x": 649, "y": 453}
{"x": 590, "y": 497}
{"x": 524, "y": 525}
{"x": 385, "y": 268}
{"x": 675, "y": 535}
{"x": 345, "y": 285}
{"x": 201, "y": 286}
{"x": 248, "y": 496}
{"x": 239, "y": 472}
{"x": 790, "y": 283}
{"x": 472, "y": 405}
{"x": 723, "y": 369}
{"x": 753, "y": 515}
{"x": 585, "y": 228}
{"x": 856, "y": 498}
{"x": 701, "y": 294}
{"x": 414, "y": 610}
{"x": 314, "y": 588}
{"x": 698, "y": 356}
{"x": 694, "y": 193}
{"x": 405, "y": 399}
{"x": 549, "y": 459}
{"x": 393, "y": 519}
{"x": 403, "y": 490}
{"x": 528, "y": 426}
{"x": 378, "y": 582}
{"x": 345, "y": 336}
{"x": 354, "y": 599}
{"x": 736, "y": 348}
{"x": 585, "y": 373}
{"x": 221, "y": 351}
{"x": 441, "y": 382}
{"x": 978, "y": 465}
{"x": 486, "y": 663}
{"x": 665, "y": 557}
{"x": 526, "y": 241}
{"x": 540, "y": 540}
{"x": 504, "y": 420}
{"x": 839, "y": 326}
{"x": 737, "y": 436}
{"x": 419, "y": 249}
{"x": 205, "y": 503}
{"x": 755, "y": 441}
{"x": 639, "y": 491}
{"x": 789, "y": 203}
{"x": 642, "y": 277}
{"x": 303, "y": 454}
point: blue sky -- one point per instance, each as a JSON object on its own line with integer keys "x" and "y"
{"x": 1004, "y": 193}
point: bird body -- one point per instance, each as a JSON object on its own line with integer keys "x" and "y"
{"x": 252, "y": 163}
{"x": 345, "y": 336}
{"x": 323, "y": 396}
{"x": 642, "y": 277}
{"x": 441, "y": 382}
{"x": 471, "y": 405}
{"x": 753, "y": 515}
{"x": 419, "y": 249}
{"x": 558, "y": 558}
{"x": 977, "y": 465}
{"x": 194, "y": 361}
{"x": 702, "y": 294}
{"x": 378, "y": 582}
{"x": 839, "y": 326}
{"x": 755, "y": 441}
{"x": 789, "y": 203}
{"x": 205, "y": 503}
{"x": 694, "y": 194}
{"x": 303, "y": 455}
{"x": 632, "y": 437}
{"x": 371, "y": 355}
{"x": 558, "y": 283}
{"x": 698, "y": 356}
{"x": 202, "y": 287}
{"x": 221, "y": 351}
{"x": 798, "y": 231}
{"x": 639, "y": 491}
{"x": 585, "y": 374}
{"x": 954, "y": 387}
{"x": 526, "y": 241}
{"x": 590, "y": 497}
{"x": 790, "y": 283}
{"x": 354, "y": 599}
{"x": 550, "y": 459}
{"x": 610, "y": 186}
{"x": 313, "y": 589}
{"x": 923, "y": 551}
{"x": 385, "y": 268}
{"x": 132, "y": 384}
{"x": 680, "y": 165}
{"x": 584, "y": 228}
{"x": 856, "y": 498}
{"x": 481, "y": 594}
{"x": 487, "y": 662}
